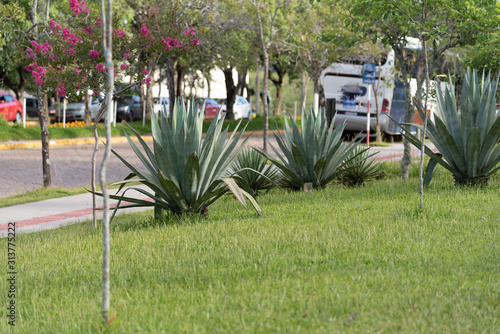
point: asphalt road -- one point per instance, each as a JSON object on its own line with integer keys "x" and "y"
{"x": 21, "y": 169}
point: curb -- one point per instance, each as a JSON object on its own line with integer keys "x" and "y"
{"x": 87, "y": 141}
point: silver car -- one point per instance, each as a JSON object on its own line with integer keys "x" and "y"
{"x": 75, "y": 109}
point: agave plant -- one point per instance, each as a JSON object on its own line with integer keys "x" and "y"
{"x": 184, "y": 171}
{"x": 314, "y": 155}
{"x": 467, "y": 139}
{"x": 363, "y": 168}
{"x": 252, "y": 172}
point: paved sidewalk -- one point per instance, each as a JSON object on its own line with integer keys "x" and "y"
{"x": 56, "y": 212}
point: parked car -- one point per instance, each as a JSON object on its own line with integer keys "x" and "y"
{"x": 129, "y": 108}
{"x": 32, "y": 107}
{"x": 160, "y": 103}
{"x": 211, "y": 107}
{"x": 10, "y": 108}
{"x": 75, "y": 109}
{"x": 241, "y": 108}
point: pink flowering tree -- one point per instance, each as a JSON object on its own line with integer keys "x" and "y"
{"x": 70, "y": 61}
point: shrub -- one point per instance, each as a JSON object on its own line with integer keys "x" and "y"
{"x": 253, "y": 173}
{"x": 184, "y": 172}
{"x": 314, "y": 155}
{"x": 363, "y": 169}
{"x": 468, "y": 139}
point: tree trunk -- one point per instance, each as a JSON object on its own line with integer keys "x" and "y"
{"x": 303, "y": 90}
{"x": 180, "y": 77}
{"x": 242, "y": 83}
{"x": 257, "y": 84}
{"x": 265, "y": 57}
{"x": 107, "y": 48}
{"x": 171, "y": 88}
{"x": 88, "y": 114}
{"x": 406, "y": 161}
{"x": 317, "y": 91}
{"x": 142, "y": 98}
{"x": 230, "y": 91}
{"x": 378, "y": 133}
{"x": 278, "y": 83}
{"x": 43, "y": 118}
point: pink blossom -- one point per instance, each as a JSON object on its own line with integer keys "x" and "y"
{"x": 54, "y": 25}
{"x": 120, "y": 33}
{"x": 29, "y": 53}
{"x": 70, "y": 51}
{"x": 77, "y": 86}
{"x": 75, "y": 6}
{"x": 126, "y": 54}
{"x": 144, "y": 30}
{"x": 94, "y": 54}
{"x": 146, "y": 80}
{"x": 123, "y": 66}
{"x": 146, "y": 72}
{"x": 38, "y": 78}
{"x": 84, "y": 7}
{"x": 84, "y": 79}
{"x": 115, "y": 74}
{"x": 195, "y": 41}
{"x": 88, "y": 30}
{"x": 95, "y": 93}
{"x": 61, "y": 90}
{"x": 77, "y": 69}
{"x": 34, "y": 44}
{"x": 51, "y": 56}
{"x": 29, "y": 68}
{"x": 189, "y": 31}
{"x": 100, "y": 67}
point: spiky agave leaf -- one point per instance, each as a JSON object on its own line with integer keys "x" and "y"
{"x": 468, "y": 139}
{"x": 362, "y": 168}
{"x": 252, "y": 172}
{"x": 183, "y": 170}
{"x": 314, "y": 155}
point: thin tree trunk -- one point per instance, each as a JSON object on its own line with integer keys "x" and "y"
{"x": 406, "y": 161}
{"x": 303, "y": 90}
{"x": 317, "y": 90}
{"x": 257, "y": 84}
{"x": 264, "y": 84}
{"x": 88, "y": 114}
{"x": 107, "y": 48}
{"x": 422, "y": 149}
{"x": 171, "y": 88}
{"x": 377, "y": 114}
{"x": 43, "y": 118}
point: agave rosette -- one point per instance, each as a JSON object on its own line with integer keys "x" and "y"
{"x": 184, "y": 171}
{"x": 467, "y": 139}
{"x": 316, "y": 155}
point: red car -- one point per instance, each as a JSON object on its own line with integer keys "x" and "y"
{"x": 211, "y": 107}
{"x": 10, "y": 108}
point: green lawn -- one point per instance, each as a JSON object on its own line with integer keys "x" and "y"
{"x": 338, "y": 260}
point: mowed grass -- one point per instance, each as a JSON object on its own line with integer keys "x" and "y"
{"x": 338, "y": 260}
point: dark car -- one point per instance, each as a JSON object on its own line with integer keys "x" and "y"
{"x": 128, "y": 108}
{"x": 32, "y": 107}
{"x": 10, "y": 108}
